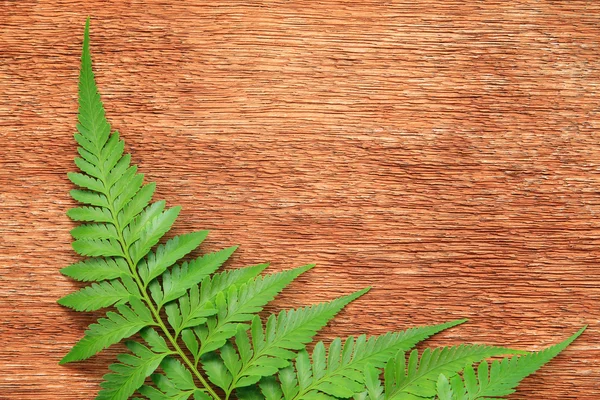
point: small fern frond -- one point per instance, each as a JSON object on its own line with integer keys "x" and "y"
{"x": 89, "y": 214}
{"x": 110, "y": 330}
{"x": 149, "y": 236}
{"x": 98, "y": 248}
{"x": 167, "y": 389}
{"x": 132, "y": 370}
{"x": 373, "y": 386}
{"x": 498, "y": 379}
{"x": 182, "y": 277}
{"x": 176, "y": 383}
{"x": 97, "y": 269}
{"x": 418, "y": 375}
{"x": 263, "y": 351}
{"x": 101, "y": 295}
{"x": 130, "y": 373}
{"x": 340, "y": 372}
{"x": 95, "y": 231}
{"x": 165, "y": 255}
{"x": 193, "y": 307}
{"x": 238, "y": 305}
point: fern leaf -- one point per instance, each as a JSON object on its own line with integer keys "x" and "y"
{"x": 137, "y": 204}
{"x": 97, "y": 269}
{"x": 95, "y": 231}
{"x": 155, "y": 341}
{"x": 216, "y": 370}
{"x": 152, "y": 232}
{"x": 170, "y": 393}
{"x": 176, "y": 383}
{"x": 178, "y": 374}
{"x": 502, "y": 377}
{"x": 166, "y": 390}
{"x": 290, "y": 330}
{"x": 418, "y": 375}
{"x": 372, "y": 384}
{"x": 90, "y": 198}
{"x": 93, "y": 127}
{"x": 239, "y": 305}
{"x": 269, "y": 388}
{"x": 168, "y": 254}
{"x": 98, "y": 247}
{"x": 100, "y": 295}
{"x": 341, "y": 373}
{"x": 111, "y": 153}
{"x": 121, "y": 232}
{"x": 193, "y": 308}
{"x": 133, "y": 230}
{"x": 219, "y": 283}
{"x": 121, "y": 170}
{"x": 125, "y": 188}
{"x": 445, "y": 391}
{"x": 90, "y": 214}
{"x": 190, "y": 311}
{"x": 90, "y": 168}
{"x": 182, "y": 277}
{"x": 86, "y": 182}
{"x": 111, "y": 330}
{"x": 130, "y": 373}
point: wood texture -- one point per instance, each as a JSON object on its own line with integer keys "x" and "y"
{"x": 446, "y": 153}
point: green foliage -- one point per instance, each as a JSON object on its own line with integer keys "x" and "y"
{"x": 337, "y": 371}
{"x": 498, "y": 379}
{"x": 201, "y": 335}
{"x": 416, "y": 378}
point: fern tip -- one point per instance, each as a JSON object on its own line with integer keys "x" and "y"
{"x": 361, "y": 292}
{"x": 576, "y": 334}
{"x": 66, "y": 359}
{"x": 305, "y": 268}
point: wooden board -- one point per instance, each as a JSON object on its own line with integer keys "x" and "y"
{"x": 445, "y": 153}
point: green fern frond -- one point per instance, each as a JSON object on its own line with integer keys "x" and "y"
{"x": 201, "y": 332}
{"x": 193, "y": 307}
{"x": 339, "y": 373}
{"x": 89, "y": 214}
{"x": 97, "y": 269}
{"x": 167, "y": 390}
{"x": 263, "y": 351}
{"x": 176, "y": 382}
{"x": 418, "y": 375}
{"x": 130, "y": 373}
{"x": 110, "y": 330}
{"x": 500, "y": 378}
{"x": 182, "y": 277}
{"x": 102, "y": 295}
{"x": 149, "y": 235}
{"x": 238, "y": 305}
{"x": 157, "y": 262}
{"x": 374, "y": 388}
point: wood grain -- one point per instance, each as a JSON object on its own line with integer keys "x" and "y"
{"x": 446, "y": 153}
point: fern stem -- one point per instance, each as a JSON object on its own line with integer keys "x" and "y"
{"x": 148, "y": 301}
{"x": 178, "y": 349}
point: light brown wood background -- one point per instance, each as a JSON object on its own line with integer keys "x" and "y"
{"x": 446, "y": 153}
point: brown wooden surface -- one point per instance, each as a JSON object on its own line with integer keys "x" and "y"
{"x": 446, "y": 153}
